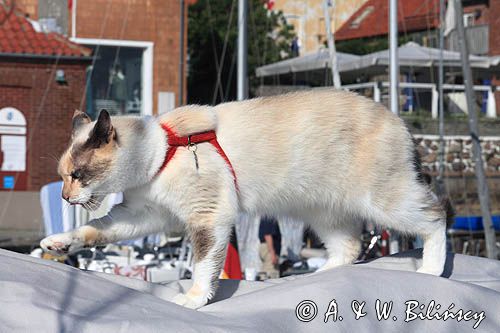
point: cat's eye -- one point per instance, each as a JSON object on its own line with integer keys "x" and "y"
{"x": 76, "y": 174}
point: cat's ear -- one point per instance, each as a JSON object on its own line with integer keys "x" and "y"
{"x": 79, "y": 119}
{"x": 103, "y": 131}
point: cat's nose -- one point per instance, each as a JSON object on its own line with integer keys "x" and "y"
{"x": 65, "y": 197}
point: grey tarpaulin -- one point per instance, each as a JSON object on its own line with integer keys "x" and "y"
{"x": 44, "y": 296}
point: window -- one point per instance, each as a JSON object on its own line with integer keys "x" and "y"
{"x": 469, "y": 19}
{"x": 115, "y": 81}
{"x": 133, "y": 78}
{"x": 357, "y": 21}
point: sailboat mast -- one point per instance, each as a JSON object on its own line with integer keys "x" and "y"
{"x": 331, "y": 45}
{"x": 393, "y": 55}
{"x": 181, "y": 53}
{"x": 482, "y": 186}
{"x": 242, "y": 80}
{"x": 440, "y": 178}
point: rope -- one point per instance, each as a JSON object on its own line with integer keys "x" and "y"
{"x": 96, "y": 52}
{"x": 117, "y": 53}
{"x": 214, "y": 48}
{"x": 8, "y": 10}
{"x": 223, "y": 55}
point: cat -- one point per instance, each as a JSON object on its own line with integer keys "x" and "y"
{"x": 328, "y": 157}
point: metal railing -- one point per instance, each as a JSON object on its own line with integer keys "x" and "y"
{"x": 376, "y": 87}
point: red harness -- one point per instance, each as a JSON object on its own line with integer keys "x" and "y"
{"x": 175, "y": 141}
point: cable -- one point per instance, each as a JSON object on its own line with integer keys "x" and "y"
{"x": 8, "y": 10}
{"x": 40, "y": 109}
{"x": 223, "y": 55}
{"x": 94, "y": 57}
{"x": 117, "y": 53}
{"x": 214, "y": 48}
{"x": 231, "y": 71}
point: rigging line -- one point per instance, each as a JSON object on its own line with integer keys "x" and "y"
{"x": 31, "y": 133}
{"x": 230, "y": 77}
{"x": 117, "y": 53}
{"x": 466, "y": 200}
{"x": 94, "y": 57}
{"x": 9, "y": 10}
{"x": 214, "y": 48}
{"x": 412, "y": 68}
{"x": 429, "y": 33}
{"x": 261, "y": 59}
{"x": 37, "y": 116}
{"x": 266, "y": 37}
{"x": 254, "y": 30}
{"x": 223, "y": 56}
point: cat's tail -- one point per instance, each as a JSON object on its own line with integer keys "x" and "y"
{"x": 426, "y": 179}
{"x": 450, "y": 211}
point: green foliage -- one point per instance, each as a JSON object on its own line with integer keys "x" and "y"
{"x": 269, "y": 40}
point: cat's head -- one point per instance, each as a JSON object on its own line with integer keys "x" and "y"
{"x": 86, "y": 166}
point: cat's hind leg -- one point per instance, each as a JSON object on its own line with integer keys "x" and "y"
{"x": 341, "y": 237}
{"x": 421, "y": 213}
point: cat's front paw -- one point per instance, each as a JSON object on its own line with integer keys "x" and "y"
{"x": 189, "y": 301}
{"x": 60, "y": 244}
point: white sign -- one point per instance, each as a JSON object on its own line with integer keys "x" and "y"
{"x": 14, "y": 153}
{"x": 12, "y": 130}
{"x": 12, "y": 116}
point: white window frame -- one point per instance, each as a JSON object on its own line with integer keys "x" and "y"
{"x": 147, "y": 65}
{"x": 469, "y": 17}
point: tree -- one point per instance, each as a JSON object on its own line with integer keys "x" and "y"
{"x": 212, "y": 23}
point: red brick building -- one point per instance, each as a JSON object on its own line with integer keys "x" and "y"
{"x": 60, "y": 55}
{"x": 128, "y": 51}
{"x": 419, "y": 20}
{"x": 42, "y": 78}
{"x": 372, "y": 19}
{"x": 140, "y": 38}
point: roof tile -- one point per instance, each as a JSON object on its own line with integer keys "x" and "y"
{"x": 17, "y": 35}
{"x": 371, "y": 19}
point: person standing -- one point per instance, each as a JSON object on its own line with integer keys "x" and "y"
{"x": 270, "y": 246}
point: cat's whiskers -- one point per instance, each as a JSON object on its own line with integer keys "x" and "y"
{"x": 92, "y": 205}
{"x": 49, "y": 158}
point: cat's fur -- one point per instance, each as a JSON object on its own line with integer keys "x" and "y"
{"x": 330, "y": 158}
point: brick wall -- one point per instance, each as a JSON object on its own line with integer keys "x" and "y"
{"x": 48, "y": 108}
{"x": 30, "y": 7}
{"x": 156, "y": 21}
{"x": 480, "y": 8}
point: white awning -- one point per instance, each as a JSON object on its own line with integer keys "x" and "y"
{"x": 308, "y": 62}
{"x": 410, "y": 55}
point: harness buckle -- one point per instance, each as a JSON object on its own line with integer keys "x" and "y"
{"x": 193, "y": 147}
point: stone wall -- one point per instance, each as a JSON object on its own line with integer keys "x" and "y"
{"x": 460, "y": 181}
{"x": 458, "y": 156}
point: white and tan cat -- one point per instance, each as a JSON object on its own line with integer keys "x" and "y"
{"x": 330, "y": 158}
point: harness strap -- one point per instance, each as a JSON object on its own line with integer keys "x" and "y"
{"x": 175, "y": 141}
